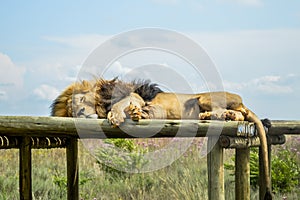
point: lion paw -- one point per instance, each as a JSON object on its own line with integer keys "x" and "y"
{"x": 232, "y": 115}
{"x": 209, "y": 115}
{"x": 133, "y": 112}
{"x": 116, "y": 118}
{"x": 222, "y": 115}
{"x": 205, "y": 115}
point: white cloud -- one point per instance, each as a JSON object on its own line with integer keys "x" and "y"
{"x": 266, "y": 84}
{"x": 10, "y": 74}
{"x": 64, "y": 61}
{"x": 117, "y": 69}
{"x": 267, "y": 79}
{"x": 46, "y": 92}
{"x": 11, "y": 79}
{"x": 251, "y": 53}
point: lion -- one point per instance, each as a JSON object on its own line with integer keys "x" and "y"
{"x": 117, "y": 100}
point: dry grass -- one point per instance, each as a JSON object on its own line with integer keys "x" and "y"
{"x": 186, "y": 178}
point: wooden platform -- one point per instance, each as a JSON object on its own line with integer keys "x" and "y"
{"x": 26, "y": 132}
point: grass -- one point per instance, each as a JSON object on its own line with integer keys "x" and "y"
{"x": 186, "y": 178}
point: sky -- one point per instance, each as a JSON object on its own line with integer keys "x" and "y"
{"x": 254, "y": 45}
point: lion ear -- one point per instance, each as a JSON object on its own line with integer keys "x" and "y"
{"x": 85, "y": 83}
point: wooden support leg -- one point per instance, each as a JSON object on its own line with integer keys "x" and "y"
{"x": 242, "y": 174}
{"x": 72, "y": 169}
{"x": 25, "y": 169}
{"x": 215, "y": 170}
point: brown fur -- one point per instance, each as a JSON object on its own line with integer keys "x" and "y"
{"x": 116, "y": 100}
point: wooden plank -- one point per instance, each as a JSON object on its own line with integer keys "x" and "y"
{"x": 100, "y": 128}
{"x": 279, "y": 127}
{"x": 72, "y": 169}
{"x": 25, "y": 169}
{"x": 242, "y": 174}
{"x": 215, "y": 167}
{"x": 244, "y": 142}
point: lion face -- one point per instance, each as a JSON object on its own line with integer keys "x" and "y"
{"x": 89, "y": 99}
{"x": 83, "y": 105}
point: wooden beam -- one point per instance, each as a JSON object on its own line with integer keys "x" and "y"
{"x": 25, "y": 169}
{"x": 72, "y": 169}
{"x": 280, "y": 127}
{"x": 242, "y": 174}
{"x": 215, "y": 167}
{"x": 244, "y": 142}
{"x": 100, "y": 128}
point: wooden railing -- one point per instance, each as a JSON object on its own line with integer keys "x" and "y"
{"x": 25, "y": 133}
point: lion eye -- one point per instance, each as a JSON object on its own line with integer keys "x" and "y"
{"x": 82, "y": 99}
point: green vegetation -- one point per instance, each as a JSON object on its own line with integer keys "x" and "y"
{"x": 186, "y": 178}
{"x": 285, "y": 170}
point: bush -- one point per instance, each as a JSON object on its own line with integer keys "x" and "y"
{"x": 120, "y": 156}
{"x": 285, "y": 170}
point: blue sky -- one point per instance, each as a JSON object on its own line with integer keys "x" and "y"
{"x": 255, "y": 45}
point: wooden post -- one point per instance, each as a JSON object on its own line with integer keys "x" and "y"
{"x": 72, "y": 169}
{"x": 215, "y": 169}
{"x": 25, "y": 169}
{"x": 242, "y": 174}
{"x": 262, "y": 186}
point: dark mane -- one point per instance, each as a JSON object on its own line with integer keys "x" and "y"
{"x": 146, "y": 89}
{"x": 115, "y": 90}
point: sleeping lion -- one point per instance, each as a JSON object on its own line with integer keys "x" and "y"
{"x": 116, "y": 100}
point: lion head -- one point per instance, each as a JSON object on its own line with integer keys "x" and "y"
{"x": 83, "y": 105}
{"x": 89, "y": 99}
{"x": 77, "y": 100}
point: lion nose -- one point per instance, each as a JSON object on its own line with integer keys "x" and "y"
{"x": 81, "y": 112}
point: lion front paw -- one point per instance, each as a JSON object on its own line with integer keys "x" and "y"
{"x": 133, "y": 112}
{"x": 116, "y": 118}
